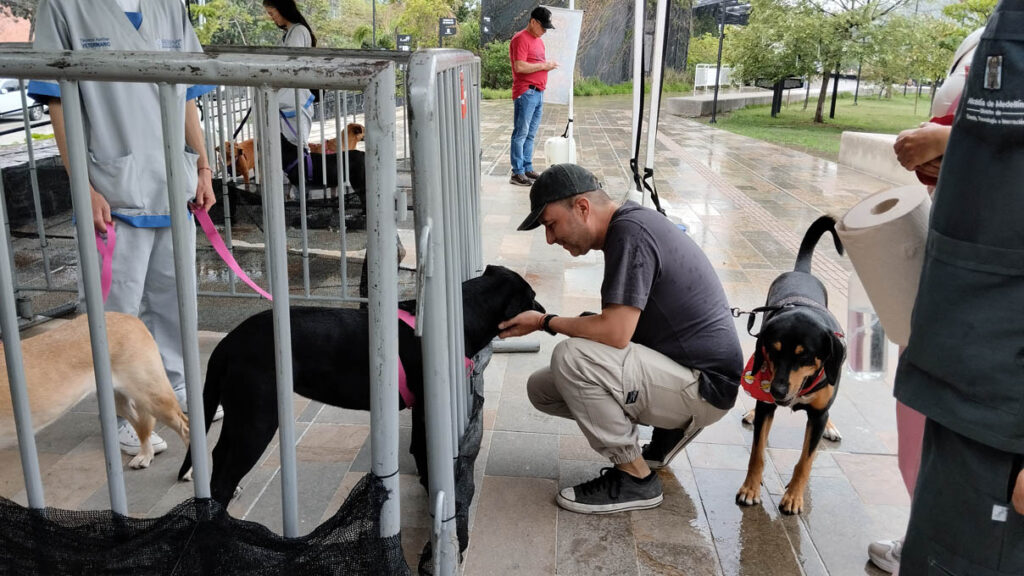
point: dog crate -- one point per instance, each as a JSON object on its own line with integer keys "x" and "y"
{"x": 363, "y": 537}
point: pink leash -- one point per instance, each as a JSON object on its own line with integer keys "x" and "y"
{"x": 218, "y": 244}
{"x": 105, "y": 246}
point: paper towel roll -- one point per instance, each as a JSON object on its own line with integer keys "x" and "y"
{"x": 885, "y": 237}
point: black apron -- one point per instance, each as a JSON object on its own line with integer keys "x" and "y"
{"x": 964, "y": 364}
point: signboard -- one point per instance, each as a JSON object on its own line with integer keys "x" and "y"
{"x": 403, "y": 42}
{"x": 446, "y": 26}
{"x": 485, "y": 25}
{"x": 560, "y": 45}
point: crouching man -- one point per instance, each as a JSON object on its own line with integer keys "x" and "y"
{"x": 663, "y": 351}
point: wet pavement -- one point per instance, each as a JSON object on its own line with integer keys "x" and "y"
{"x": 747, "y": 204}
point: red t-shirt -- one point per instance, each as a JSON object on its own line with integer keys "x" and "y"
{"x": 527, "y": 48}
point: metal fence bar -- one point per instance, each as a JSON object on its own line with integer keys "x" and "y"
{"x": 89, "y": 269}
{"x": 277, "y": 263}
{"x": 300, "y": 150}
{"x": 183, "y": 232}
{"x": 430, "y": 220}
{"x": 381, "y": 246}
{"x": 34, "y": 180}
{"x": 222, "y": 103}
{"x": 16, "y": 376}
{"x": 445, "y": 166}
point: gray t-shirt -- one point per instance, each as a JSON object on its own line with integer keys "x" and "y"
{"x": 652, "y": 265}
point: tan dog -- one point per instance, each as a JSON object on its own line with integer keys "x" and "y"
{"x": 59, "y": 374}
{"x": 244, "y": 160}
{"x": 356, "y": 133}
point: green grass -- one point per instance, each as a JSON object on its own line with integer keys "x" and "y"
{"x": 795, "y": 127}
{"x": 592, "y": 87}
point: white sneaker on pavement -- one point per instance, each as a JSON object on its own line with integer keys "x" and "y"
{"x": 183, "y": 401}
{"x": 886, "y": 554}
{"x": 130, "y": 443}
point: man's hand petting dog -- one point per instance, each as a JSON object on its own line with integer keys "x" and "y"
{"x": 1018, "y": 494}
{"x": 521, "y": 325}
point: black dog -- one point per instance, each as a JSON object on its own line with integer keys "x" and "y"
{"x": 797, "y": 362}
{"x": 330, "y": 355}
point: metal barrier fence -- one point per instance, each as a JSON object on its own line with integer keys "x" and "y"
{"x": 441, "y": 125}
{"x": 445, "y": 115}
{"x": 376, "y": 78}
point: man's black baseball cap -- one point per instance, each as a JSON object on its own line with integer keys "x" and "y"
{"x": 542, "y": 15}
{"x": 557, "y": 182}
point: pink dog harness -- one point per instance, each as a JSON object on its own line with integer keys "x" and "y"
{"x": 403, "y": 385}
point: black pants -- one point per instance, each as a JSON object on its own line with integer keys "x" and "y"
{"x": 318, "y": 173}
{"x": 962, "y": 522}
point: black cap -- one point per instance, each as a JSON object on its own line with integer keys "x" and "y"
{"x": 557, "y": 182}
{"x": 542, "y": 15}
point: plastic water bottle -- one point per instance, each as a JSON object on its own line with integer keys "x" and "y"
{"x": 865, "y": 339}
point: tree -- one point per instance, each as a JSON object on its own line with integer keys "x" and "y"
{"x": 495, "y": 65}
{"x": 970, "y": 14}
{"x": 704, "y": 50}
{"x": 419, "y": 18}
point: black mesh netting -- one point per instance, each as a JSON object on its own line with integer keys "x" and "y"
{"x": 469, "y": 448}
{"x": 197, "y": 537}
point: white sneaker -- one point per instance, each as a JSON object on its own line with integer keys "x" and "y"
{"x": 130, "y": 443}
{"x": 886, "y": 554}
{"x": 183, "y": 402}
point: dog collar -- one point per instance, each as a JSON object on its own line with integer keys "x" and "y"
{"x": 758, "y": 385}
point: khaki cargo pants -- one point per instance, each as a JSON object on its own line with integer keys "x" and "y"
{"x": 608, "y": 391}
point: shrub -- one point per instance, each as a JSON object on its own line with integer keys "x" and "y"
{"x": 495, "y": 66}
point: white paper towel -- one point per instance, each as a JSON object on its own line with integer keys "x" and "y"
{"x": 885, "y": 237}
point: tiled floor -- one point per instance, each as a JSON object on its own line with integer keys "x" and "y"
{"x": 747, "y": 204}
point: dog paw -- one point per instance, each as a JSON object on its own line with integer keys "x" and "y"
{"x": 187, "y": 476}
{"x": 749, "y": 495}
{"x": 831, "y": 432}
{"x": 748, "y": 418}
{"x": 139, "y": 462}
{"x": 791, "y": 503}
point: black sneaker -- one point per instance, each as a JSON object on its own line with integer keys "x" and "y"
{"x": 520, "y": 180}
{"x": 664, "y": 446}
{"x": 612, "y": 491}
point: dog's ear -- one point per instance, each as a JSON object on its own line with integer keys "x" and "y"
{"x": 834, "y": 363}
{"x": 758, "y": 357}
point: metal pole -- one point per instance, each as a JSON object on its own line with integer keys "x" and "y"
{"x": 277, "y": 263}
{"x": 89, "y": 268}
{"x": 300, "y": 149}
{"x": 718, "y": 70}
{"x": 34, "y": 180}
{"x": 373, "y": 3}
{"x": 661, "y": 18}
{"x": 425, "y": 140}
{"x": 382, "y": 273}
{"x": 183, "y": 234}
{"x": 16, "y": 376}
{"x": 638, "y": 74}
{"x": 572, "y": 82}
{"x": 225, "y": 195}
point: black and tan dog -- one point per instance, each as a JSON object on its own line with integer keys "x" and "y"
{"x": 330, "y": 356}
{"x": 797, "y": 362}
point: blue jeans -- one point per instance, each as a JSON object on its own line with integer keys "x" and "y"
{"x": 526, "y": 120}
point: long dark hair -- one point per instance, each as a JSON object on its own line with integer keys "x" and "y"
{"x": 290, "y": 12}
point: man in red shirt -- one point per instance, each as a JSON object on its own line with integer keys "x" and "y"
{"x": 529, "y": 78}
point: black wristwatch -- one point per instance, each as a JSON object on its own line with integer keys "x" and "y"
{"x": 546, "y": 323}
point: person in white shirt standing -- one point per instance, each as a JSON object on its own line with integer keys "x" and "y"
{"x": 126, "y": 164}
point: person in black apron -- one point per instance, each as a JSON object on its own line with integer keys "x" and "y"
{"x": 964, "y": 365}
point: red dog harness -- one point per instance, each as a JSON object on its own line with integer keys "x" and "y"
{"x": 758, "y": 385}
{"x": 403, "y": 385}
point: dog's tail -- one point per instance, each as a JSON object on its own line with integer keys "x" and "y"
{"x": 819, "y": 227}
{"x": 216, "y": 370}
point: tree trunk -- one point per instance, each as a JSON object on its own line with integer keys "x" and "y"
{"x": 825, "y": 77}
